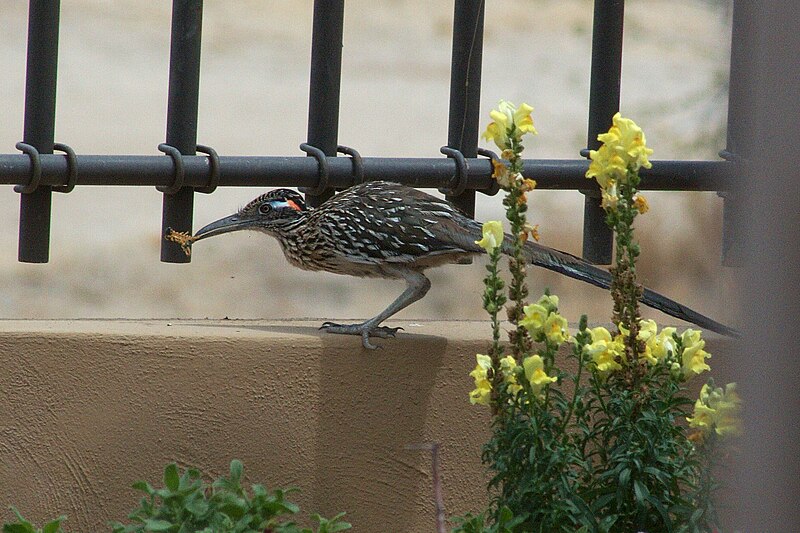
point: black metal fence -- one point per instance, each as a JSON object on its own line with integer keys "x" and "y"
{"x": 38, "y": 171}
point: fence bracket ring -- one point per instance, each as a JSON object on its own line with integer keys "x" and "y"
{"x": 177, "y": 160}
{"x": 322, "y": 183}
{"x": 460, "y": 177}
{"x": 213, "y": 163}
{"x": 494, "y": 188}
{"x": 36, "y": 169}
{"x": 72, "y": 168}
{"x": 358, "y": 163}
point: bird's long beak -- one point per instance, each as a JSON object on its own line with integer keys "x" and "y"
{"x": 223, "y": 225}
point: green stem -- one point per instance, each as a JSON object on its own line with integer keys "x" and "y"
{"x": 579, "y": 354}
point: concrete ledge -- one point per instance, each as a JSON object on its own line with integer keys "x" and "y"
{"x": 90, "y": 406}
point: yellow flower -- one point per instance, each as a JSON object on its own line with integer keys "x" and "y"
{"x": 606, "y": 167}
{"x": 662, "y": 345}
{"x": 535, "y": 374}
{"x": 481, "y": 395}
{"x": 555, "y": 328}
{"x": 549, "y": 302}
{"x": 703, "y": 416}
{"x": 508, "y": 367}
{"x": 492, "y": 235}
{"x": 604, "y": 351}
{"x": 624, "y": 149}
{"x": 530, "y": 230}
{"x": 647, "y": 333}
{"x": 535, "y": 317}
{"x": 728, "y": 405}
{"x": 610, "y": 196}
{"x": 641, "y": 204}
{"x": 693, "y": 358}
{"x": 501, "y": 174}
{"x": 631, "y": 141}
{"x": 717, "y": 410}
{"x": 508, "y": 119}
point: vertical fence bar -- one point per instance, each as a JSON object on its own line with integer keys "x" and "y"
{"x": 325, "y": 83}
{"x": 603, "y": 103}
{"x": 184, "y": 91}
{"x": 39, "y": 126}
{"x": 465, "y": 88}
{"x": 736, "y": 146}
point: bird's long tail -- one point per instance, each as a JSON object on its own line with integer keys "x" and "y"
{"x": 577, "y": 268}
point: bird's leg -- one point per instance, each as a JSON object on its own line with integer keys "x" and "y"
{"x": 417, "y": 287}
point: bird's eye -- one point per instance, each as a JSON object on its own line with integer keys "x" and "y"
{"x": 265, "y": 208}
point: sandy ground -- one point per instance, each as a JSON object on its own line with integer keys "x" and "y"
{"x": 112, "y": 100}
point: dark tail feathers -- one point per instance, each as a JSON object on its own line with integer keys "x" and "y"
{"x": 577, "y": 268}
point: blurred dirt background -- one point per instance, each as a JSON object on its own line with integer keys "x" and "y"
{"x": 112, "y": 89}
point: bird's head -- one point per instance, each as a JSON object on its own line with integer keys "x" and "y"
{"x": 271, "y": 211}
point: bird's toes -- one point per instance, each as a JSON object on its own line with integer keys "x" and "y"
{"x": 384, "y": 332}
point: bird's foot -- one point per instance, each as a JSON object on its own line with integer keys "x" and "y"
{"x": 365, "y": 330}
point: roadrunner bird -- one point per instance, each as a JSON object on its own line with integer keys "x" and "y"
{"x": 383, "y": 229}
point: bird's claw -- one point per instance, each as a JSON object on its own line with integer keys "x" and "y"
{"x": 364, "y": 330}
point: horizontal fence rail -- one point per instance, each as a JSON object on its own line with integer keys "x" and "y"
{"x": 274, "y": 171}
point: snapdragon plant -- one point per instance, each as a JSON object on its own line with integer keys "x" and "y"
{"x": 592, "y": 432}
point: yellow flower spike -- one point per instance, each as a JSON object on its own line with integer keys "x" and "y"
{"x": 624, "y": 149}
{"x": 535, "y": 374}
{"x": 693, "y": 359}
{"x": 555, "y": 328}
{"x": 527, "y": 185}
{"x": 535, "y": 316}
{"x": 492, "y": 235}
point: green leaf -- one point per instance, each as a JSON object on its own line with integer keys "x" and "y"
{"x": 18, "y": 528}
{"x": 171, "y": 479}
{"x": 640, "y": 491}
{"x": 236, "y": 470}
{"x": 54, "y": 526}
{"x": 145, "y": 487}
{"x": 157, "y": 525}
{"x": 22, "y": 525}
{"x": 196, "y": 506}
{"x": 662, "y": 511}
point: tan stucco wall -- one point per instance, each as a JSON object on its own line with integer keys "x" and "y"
{"x": 88, "y": 407}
